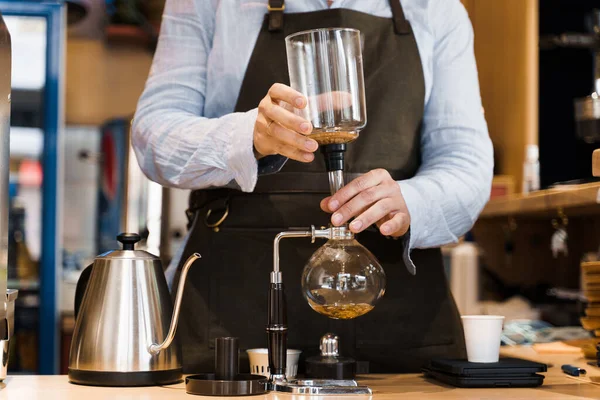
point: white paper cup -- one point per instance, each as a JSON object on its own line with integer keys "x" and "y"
{"x": 482, "y": 337}
{"x": 259, "y": 362}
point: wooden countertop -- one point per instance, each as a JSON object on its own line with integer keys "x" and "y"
{"x": 386, "y": 387}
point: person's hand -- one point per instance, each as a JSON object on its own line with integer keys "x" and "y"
{"x": 374, "y": 198}
{"x": 278, "y": 130}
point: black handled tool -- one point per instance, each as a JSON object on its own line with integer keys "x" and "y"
{"x": 277, "y": 328}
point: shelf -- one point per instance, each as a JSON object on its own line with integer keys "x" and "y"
{"x": 575, "y": 200}
{"x": 23, "y": 284}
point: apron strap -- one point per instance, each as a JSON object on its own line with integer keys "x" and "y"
{"x": 401, "y": 24}
{"x": 276, "y": 8}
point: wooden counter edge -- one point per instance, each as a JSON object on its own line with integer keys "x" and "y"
{"x": 543, "y": 201}
{"x": 557, "y": 386}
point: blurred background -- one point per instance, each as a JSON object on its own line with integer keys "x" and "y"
{"x": 79, "y": 68}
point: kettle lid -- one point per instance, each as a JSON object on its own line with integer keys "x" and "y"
{"x": 128, "y": 240}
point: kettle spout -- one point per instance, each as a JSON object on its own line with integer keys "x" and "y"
{"x": 156, "y": 348}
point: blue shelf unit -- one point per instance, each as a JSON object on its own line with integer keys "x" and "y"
{"x": 53, "y": 126}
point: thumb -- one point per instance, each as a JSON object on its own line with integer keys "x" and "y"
{"x": 397, "y": 225}
{"x": 324, "y": 204}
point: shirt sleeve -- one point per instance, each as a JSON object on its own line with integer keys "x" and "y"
{"x": 175, "y": 145}
{"x": 453, "y": 183}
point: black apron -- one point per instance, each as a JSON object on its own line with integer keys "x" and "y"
{"x": 227, "y": 290}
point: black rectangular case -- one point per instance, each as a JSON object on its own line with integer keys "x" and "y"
{"x": 491, "y": 381}
{"x": 504, "y": 367}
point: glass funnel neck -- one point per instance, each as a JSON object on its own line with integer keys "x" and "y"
{"x": 341, "y": 233}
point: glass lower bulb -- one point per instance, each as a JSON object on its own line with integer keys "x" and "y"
{"x": 343, "y": 280}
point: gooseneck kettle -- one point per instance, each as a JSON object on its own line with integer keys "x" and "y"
{"x": 125, "y": 325}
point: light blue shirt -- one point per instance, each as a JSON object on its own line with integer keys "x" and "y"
{"x": 186, "y": 133}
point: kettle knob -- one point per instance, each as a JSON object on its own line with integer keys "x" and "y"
{"x": 129, "y": 240}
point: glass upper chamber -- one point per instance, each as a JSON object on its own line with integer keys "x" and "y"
{"x": 326, "y": 65}
{"x": 343, "y": 280}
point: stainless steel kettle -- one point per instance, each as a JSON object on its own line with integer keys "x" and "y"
{"x": 122, "y": 333}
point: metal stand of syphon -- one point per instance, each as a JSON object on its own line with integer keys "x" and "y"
{"x": 277, "y": 327}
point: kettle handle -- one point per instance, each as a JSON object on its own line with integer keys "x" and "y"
{"x": 156, "y": 348}
{"x": 82, "y": 284}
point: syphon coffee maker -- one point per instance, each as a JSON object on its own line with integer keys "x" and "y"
{"x": 342, "y": 279}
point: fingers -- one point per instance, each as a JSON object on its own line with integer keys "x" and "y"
{"x": 332, "y": 101}
{"x": 374, "y": 198}
{"x": 272, "y": 138}
{"x": 291, "y": 138}
{"x": 295, "y": 154}
{"x": 278, "y": 130}
{"x": 362, "y": 183}
{"x": 284, "y": 117}
{"x": 366, "y": 199}
{"x": 291, "y": 144}
{"x": 336, "y": 100}
{"x": 397, "y": 226}
{"x": 372, "y": 214}
{"x": 280, "y": 92}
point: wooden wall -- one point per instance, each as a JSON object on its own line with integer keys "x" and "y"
{"x": 103, "y": 81}
{"x": 506, "y": 48}
{"x": 506, "y": 43}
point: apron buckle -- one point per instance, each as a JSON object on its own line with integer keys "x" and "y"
{"x": 276, "y": 9}
{"x": 215, "y": 225}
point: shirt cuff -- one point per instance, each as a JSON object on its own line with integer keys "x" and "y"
{"x": 417, "y": 223}
{"x": 405, "y": 242}
{"x": 240, "y": 152}
{"x": 412, "y": 199}
{"x": 410, "y": 266}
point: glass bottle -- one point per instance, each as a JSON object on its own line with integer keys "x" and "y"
{"x": 342, "y": 279}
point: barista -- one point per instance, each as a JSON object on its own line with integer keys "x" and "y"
{"x": 215, "y": 118}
